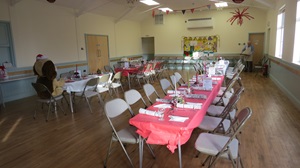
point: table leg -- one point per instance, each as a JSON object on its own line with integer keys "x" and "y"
{"x": 129, "y": 81}
{"x": 71, "y": 102}
{"x": 141, "y": 150}
{"x": 179, "y": 154}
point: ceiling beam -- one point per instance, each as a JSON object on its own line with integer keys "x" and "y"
{"x": 90, "y": 5}
{"x": 14, "y": 2}
{"x": 266, "y": 3}
{"x": 125, "y": 13}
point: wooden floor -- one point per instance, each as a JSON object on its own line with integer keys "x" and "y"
{"x": 271, "y": 138}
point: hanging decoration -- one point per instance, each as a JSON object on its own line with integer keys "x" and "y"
{"x": 184, "y": 10}
{"x": 237, "y": 1}
{"x": 200, "y": 44}
{"x": 238, "y": 15}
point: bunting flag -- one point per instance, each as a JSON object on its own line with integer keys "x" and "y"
{"x": 184, "y": 10}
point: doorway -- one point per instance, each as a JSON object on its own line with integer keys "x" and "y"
{"x": 97, "y": 52}
{"x": 257, "y": 40}
{"x": 148, "y": 48}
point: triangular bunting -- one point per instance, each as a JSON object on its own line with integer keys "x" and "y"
{"x": 167, "y": 12}
{"x": 153, "y": 13}
{"x": 183, "y": 11}
{"x": 192, "y": 10}
{"x": 208, "y": 6}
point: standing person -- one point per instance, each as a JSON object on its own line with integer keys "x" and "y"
{"x": 248, "y": 52}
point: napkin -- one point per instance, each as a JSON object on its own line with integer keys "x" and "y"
{"x": 189, "y": 105}
{"x": 198, "y": 88}
{"x": 173, "y": 91}
{"x": 163, "y": 106}
{"x": 214, "y": 78}
{"x": 196, "y": 96}
{"x": 151, "y": 113}
{"x": 163, "y": 100}
{"x": 178, "y": 118}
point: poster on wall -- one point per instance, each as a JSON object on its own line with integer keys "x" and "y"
{"x": 204, "y": 44}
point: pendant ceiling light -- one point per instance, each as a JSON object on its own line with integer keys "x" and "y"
{"x": 238, "y": 1}
{"x": 51, "y": 1}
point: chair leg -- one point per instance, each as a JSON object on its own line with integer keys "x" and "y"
{"x": 126, "y": 154}
{"x": 151, "y": 150}
{"x": 49, "y": 109}
{"x": 88, "y": 102}
{"x": 108, "y": 153}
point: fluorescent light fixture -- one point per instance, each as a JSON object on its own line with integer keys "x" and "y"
{"x": 221, "y": 4}
{"x": 165, "y": 9}
{"x": 149, "y": 2}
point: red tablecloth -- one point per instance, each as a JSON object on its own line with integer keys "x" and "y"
{"x": 169, "y": 132}
{"x": 127, "y": 71}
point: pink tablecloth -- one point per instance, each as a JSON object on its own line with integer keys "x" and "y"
{"x": 169, "y": 132}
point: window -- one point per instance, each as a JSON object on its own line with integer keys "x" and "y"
{"x": 280, "y": 32}
{"x": 296, "y": 56}
{"x": 6, "y": 47}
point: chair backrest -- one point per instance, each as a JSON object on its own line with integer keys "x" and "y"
{"x": 228, "y": 87}
{"x": 104, "y": 79}
{"x": 117, "y": 77}
{"x": 179, "y": 79}
{"x": 149, "y": 91}
{"x": 132, "y": 96}
{"x": 116, "y": 107}
{"x": 165, "y": 84}
{"x": 91, "y": 85}
{"x": 231, "y": 104}
{"x": 42, "y": 91}
{"x": 107, "y": 68}
{"x": 173, "y": 80}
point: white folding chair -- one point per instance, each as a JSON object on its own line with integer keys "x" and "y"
{"x": 125, "y": 135}
{"x": 219, "y": 123}
{"x": 103, "y": 85}
{"x": 219, "y": 100}
{"x": 165, "y": 84}
{"x": 220, "y": 146}
{"x": 89, "y": 91}
{"x": 150, "y": 91}
{"x": 116, "y": 82}
{"x": 52, "y": 101}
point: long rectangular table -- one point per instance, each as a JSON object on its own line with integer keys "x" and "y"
{"x": 170, "y": 133}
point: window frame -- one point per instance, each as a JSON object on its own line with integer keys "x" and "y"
{"x": 9, "y": 44}
{"x": 280, "y": 32}
{"x": 296, "y": 52}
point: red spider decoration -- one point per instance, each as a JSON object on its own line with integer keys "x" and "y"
{"x": 237, "y": 15}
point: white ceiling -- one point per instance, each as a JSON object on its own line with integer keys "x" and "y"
{"x": 121, "y": 9}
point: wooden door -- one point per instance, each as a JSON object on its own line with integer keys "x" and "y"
{"x": 97, "y": 52}
{"x": 257, "y": 40}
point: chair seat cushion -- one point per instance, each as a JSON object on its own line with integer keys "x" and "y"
{"x": 212, "y": 144}
{"x": 215, "y": 110}
{"x": 209, "y": 123}
{"x": 128, "y": 135}
{"x": 216, "y": 100}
